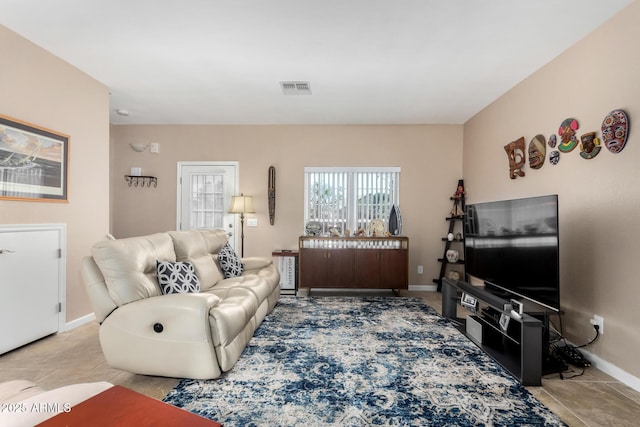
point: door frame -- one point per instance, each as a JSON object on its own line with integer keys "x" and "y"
{"x": 235, "y": 164}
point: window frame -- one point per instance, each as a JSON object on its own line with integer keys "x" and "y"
{"x": 351, "y": 219}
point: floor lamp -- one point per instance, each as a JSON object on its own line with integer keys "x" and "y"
{"x": 241, "y": 204}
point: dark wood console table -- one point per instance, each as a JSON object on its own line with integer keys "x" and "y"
{"x": 354, "y": 262}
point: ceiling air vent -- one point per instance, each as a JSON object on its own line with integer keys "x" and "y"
{"x": 296, "y": 88}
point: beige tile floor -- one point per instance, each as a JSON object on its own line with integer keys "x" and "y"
{"x": 594, "y": 399}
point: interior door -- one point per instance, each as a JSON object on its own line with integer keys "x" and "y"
{"x": 30, "y": 283}
{"x": 204, "y": 196}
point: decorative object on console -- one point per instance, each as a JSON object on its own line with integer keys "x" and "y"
{"x": 271, "y": 194}
{"x": 177, "y": 277}
{"x": 515, "y": 152}
{"x": 589, "y": 145}
{"x": 35, "y": 154}
{"x": 504, "y": 321}
{"x": 567, "y": 133}
{"x": 554, "y": 157}
{"x": 395, "y": 221}
{"x": 469, "y": 301}
{"x": 241, "y": 204}
{"x": 615, "y": 130}
{"x": 376, "y": 228}
{"x": 450, "y": 237}
{"x": 552, "y": 140}
{"x": 313, "y": 228}
{"x": 229, "y": 262}
{"x": 537, "y": 152}
{"x": 453, "y": 255}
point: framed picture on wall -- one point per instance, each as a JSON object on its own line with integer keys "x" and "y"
{"x": 34, "y": 162}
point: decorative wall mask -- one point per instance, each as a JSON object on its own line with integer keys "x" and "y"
{"x": 552, "y": 140}
{"x": 271, "y": 194}
{"x": 567, "y": 133}
{"x": 554, "y": 157}
{"x": 615, "y": 131}
{"x": 589, "y": 145}
{"x": 515, "y": 152}
{"x": 537, "y": 152}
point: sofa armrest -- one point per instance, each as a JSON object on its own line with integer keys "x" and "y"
{"x": 255, "y": 263}
{"x": 176, "y": 317}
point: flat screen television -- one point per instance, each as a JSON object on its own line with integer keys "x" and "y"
{"x": 512, "y": 246}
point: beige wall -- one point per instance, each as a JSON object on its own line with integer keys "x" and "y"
{"x": 41, "y": 89}
{"x": 598, "y": 198}
{"x": 430, "y": 158}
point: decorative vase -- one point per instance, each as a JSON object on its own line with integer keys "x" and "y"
{"x": 453, "y": 255}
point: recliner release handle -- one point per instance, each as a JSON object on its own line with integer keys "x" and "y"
{"x": 157, "y": 327}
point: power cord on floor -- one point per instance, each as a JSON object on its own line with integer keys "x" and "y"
{"x": 570, "y": 354}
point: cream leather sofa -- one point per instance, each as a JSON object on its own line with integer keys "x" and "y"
{"x": 182, "y": 335}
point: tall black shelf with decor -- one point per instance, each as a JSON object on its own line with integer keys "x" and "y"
{"x": 456, "y": 217}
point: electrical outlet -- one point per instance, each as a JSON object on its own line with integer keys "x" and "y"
{"x": 598, "y": 320}
{"x": 420, "y": 269}
{"x": 252, "y": 222}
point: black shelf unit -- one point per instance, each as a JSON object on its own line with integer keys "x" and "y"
{"x": 458, "y": 208}
{"x": 518, "y": 349}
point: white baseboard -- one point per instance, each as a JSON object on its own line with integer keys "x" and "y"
{"x": 611, "y": 369}
{"x": 423, "y": 288}
{"x": 79, "y": 322}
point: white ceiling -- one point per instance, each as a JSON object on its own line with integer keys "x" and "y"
{"x": 368, "y": 61}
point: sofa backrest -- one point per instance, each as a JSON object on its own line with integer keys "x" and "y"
{"x": 200, "y": 247}
{"x": 129, "y": 265}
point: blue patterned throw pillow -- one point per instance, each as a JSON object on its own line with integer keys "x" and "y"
{"x": 177, "y": 277}
{"x": 229, "y": 262}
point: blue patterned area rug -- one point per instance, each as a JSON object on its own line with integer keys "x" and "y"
{"x": 353, "y": 361}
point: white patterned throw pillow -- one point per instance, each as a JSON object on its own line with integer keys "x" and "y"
{"x": 229, "y": 262}
{"x": 177, "y": 277}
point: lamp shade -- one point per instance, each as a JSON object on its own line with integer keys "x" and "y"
{"x": 241, "y": 204}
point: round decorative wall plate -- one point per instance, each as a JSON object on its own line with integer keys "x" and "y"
{"x": 554, "y": 157}
{"x": 615, "y": 130}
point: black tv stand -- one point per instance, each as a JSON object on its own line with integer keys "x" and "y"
{"x": 518, "y": 348}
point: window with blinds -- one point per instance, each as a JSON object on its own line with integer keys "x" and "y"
{"x": 349, "y": 198}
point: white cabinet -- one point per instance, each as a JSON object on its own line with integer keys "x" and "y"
{"x": 32, "y": 283}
